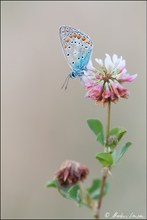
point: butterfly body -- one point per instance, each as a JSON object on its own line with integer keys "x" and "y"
{"x": 77, "y": 48}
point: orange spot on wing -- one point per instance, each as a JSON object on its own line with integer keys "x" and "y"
{"x": 78, "y": 36}
{"x": 83, "y": 38}
{"x": 71, "y": 36}
{"x": 75, "y": 35}
{"x": 67, "y": 40}
{"x": 87, "y": 42}
{"x": 65, "y": 46}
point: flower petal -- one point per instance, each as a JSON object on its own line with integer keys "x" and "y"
{"x": 126, "y": 77}
{"x": 114, "y": 58}
{"x": 90, "y": 65}
{"x": 108, "y": 63}
{"x": 99, "y": 61}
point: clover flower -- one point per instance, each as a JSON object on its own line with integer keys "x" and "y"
{"x": 105, "y": 84}
{"x": 71, "y": 172}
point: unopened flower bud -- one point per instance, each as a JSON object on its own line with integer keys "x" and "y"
{"x": 112, "y": 141}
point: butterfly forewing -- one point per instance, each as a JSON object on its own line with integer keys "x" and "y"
{"x": 77, "y": 47}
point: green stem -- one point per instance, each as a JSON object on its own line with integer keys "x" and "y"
{"x": 108, "y": 124}
{"x": 86, "y": 199}
{"x": 108, "y": 119}
{"x": 105, "y": 173}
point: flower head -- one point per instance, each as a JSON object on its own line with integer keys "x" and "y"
{"x": 71, "y": 172}
{"x": 105, "y": 84}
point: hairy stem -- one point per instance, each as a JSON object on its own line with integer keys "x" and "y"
{"x": 106, "y": 169}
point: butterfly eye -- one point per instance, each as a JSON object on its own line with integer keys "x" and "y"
{"x": 72, "y": 74}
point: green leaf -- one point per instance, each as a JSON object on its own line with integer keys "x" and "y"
{"x": 114, "y": 156}
{"x": 55, "y": 184}
{"x": 106, "y": 187}
{"x": 122, "y": 151}
{"x": 94, "y": 190}
{"x": 96, "y": 184}
{"x": 69, "y": 192}
{"x": 100, "y": 138}
{"x": 64, "y": 191}
{"x": 74, "y": 194}
{"x": 105, "y": 158}
{"x": 52, "y": 183}
{"x": 118, "y": 132}
{"x": 94, "y": 125}
{"x": 97, "y": 128}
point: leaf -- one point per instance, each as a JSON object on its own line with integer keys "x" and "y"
{"x": 97, "y": 128}
{"x": 106, "y": 187}
{"x": 95, "y": 125}
{"x": 94, "y": 190}
{"x": 114, "y": 156}
{"x": 105, "y": 158}
{"x": 95, "y": 185}
{"x": 52, "y": 183}
{"x": 74, "y": 194}
{"x": 63, "y": 191}
{"x": 69, "y": 192}
{"x": 100, "y": 138}
{"x": 122, "y": 151}
{"x": 121, "y": 134}
{"x": 55, "y": 184}
{"x": 118, "y": 132}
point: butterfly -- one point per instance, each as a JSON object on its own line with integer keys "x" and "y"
{"x": 77, "y": 48}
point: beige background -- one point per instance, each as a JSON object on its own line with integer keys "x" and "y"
{"x": 43, "y": 125}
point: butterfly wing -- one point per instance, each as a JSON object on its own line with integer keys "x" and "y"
{"x": 77, "y": 47}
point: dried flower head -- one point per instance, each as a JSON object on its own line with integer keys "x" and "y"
{"x": 106, "y": 84}
{"x": 71, "y": 172}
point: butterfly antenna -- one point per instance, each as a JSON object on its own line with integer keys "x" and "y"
{"x": 65, "y": 84}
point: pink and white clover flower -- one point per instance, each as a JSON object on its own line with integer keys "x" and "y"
{"x": 105, "y": 84}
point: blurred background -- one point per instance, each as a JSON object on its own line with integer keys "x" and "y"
{"x": 43, "y": 125}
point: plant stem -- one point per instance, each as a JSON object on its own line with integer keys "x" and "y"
{"x": 97, "y": 216}
{"x": 108, "y": 124}
{"x": 86, "y": 199}
{"x": 105, "y": 173}
{"x": 108, "y": 120}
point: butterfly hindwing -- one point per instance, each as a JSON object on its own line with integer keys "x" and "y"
{"x": 77, "y": 47}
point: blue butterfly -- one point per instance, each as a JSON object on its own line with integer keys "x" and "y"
{"x": 77, "y": 48}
